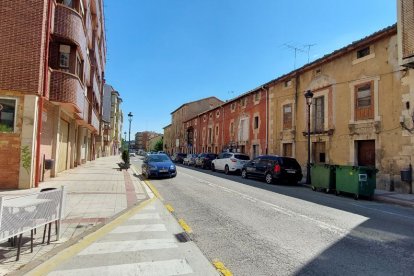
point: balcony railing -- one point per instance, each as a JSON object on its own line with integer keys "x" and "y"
{"x": 66, "y": 88}
{"x": 69, "y": 25}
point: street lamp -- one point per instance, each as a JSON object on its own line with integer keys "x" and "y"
{"x": 129, "y": 135}
{"x": 308, "y": 96}
{"x": 125, "y": 137}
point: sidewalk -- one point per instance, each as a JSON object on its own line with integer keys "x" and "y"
{"x": 95, "y": 193}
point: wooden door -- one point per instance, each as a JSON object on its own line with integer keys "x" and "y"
{"x": 366, "y": 153}
{"x": 63, "y": 145}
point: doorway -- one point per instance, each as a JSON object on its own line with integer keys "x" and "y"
{"x": 366, "y": 153}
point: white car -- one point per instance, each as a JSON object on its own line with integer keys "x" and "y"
{"x": 229, "y": 162}
{"x": 189, "y": 160}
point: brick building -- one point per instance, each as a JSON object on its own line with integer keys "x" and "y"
{"x": 51, "y": 84}
{"x": 237, "y": 125}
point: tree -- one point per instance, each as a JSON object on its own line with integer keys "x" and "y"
{"x": 158, "y": 145}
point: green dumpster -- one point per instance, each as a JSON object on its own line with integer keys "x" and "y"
{"x": 356, "y": 180}
{"x": 323, "y": 177}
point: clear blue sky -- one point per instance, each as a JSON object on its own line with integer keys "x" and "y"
{"x": 164, "y": 53}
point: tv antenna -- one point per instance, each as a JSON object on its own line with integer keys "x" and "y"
{"x": 295, "y": 49}
{"x": 309, "y": 46}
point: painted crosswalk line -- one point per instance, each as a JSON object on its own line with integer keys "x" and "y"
{"x": 128, "y": 246}
{"x": 145, "y": 216}
{"x": 139, "y": 228}
{"x": 169, "y": 267}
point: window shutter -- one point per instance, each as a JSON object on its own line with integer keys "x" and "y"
{"x": 407, "y": 18}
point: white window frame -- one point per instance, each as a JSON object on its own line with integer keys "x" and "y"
{"x": 16, "y": 102}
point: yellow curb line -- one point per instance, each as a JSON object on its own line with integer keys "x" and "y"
{"x": 71, "y": 251}
{"x": 221, "y": 268}
{"x": 153, "y": 189}
{"x": 185, "y": 226}
{"x": 169, "y": 208}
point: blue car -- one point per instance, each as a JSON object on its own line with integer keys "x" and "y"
{"x": 158, "y": 165}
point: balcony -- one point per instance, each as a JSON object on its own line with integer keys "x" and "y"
{"x": 82, "y": 118}
{"x": 69, "y": 25}
{"x": 67, "y": 90}
{"x": 93, "y": 119}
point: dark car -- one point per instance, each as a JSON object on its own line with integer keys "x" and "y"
{"x": 203, "y": 160}
{"x": 273, "y": 168}
{"x": 178, "y": 157}
{"x": 158, "y": 165}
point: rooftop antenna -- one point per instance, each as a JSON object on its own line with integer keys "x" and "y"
{"x": 295, "y": 49}
{"x": 309, "y": 45}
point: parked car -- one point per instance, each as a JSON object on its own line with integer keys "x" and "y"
{"x": 229, "y": 162}
{"x": 190, "y": 159}
{"x": 273, "y": 168}
{"x": 132, "y": 154}
{"x": 158, "y": 165}
{"x": 203, "y": 160}
{"x": 178, "y": 157}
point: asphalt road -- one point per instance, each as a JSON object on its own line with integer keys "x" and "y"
{"x": 260, "y": 229}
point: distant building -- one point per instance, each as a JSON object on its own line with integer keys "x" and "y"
{"x": 183, "y": 113}
{"x": 112, "y": 121}
{"x": 142, "y": 139}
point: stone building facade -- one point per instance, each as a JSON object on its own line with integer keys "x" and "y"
{"x": 51, "y": 83}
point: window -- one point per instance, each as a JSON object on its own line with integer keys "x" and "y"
{"x": 243, "y": 102}
{"x": 257, "y": 96}
{"x": 319, "y": 114}
{"x": 79, "y": 67}
{"x": 363, "y": 52}
{"x": 288, "y": 83}
{"x": 7, "y": 114}
{"x": 217, "y": 130}
{"x": 210, "y": 135}
{"x": 287, "y": 116}
{"x": 217, "y": 113}
{"x": 287, "y": 149}
{"x": 204, "y": 118}
{"x": 233, "y": 106}
{"x": 231, "y": 128}
{"x": 364, "y": 108}
{"x": 64, "y": 54}
{"x": 68, "y": 3}
{"x": 256, "y": 122}
{"x": 210, "y": 115}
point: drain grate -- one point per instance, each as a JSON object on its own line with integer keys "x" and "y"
{"x": 182, "y": 237}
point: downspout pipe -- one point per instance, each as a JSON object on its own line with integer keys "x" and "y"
{"x": 267, "y": 117}
{"x": 43, "y": 93}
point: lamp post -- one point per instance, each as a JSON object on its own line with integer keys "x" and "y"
{"x": 125, "y": 137}
{"x": 308, "y": 96}
{"x": 129, "y": 135}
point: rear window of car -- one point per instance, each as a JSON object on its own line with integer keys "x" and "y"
{"x": 241, "y": 157}
{"x": 291, "y": 162}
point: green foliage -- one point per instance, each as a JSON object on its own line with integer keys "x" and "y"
{"x": 5, "y": 128}
{"x": 125, "y": 156}
{"x": 26, "y": 158}
{"x": 158, "y": 145}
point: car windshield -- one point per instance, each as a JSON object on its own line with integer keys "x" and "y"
{"x": 158, "y": 158}
{"x": 241, "y": 157}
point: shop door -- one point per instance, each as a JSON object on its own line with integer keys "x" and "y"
{"x": 366, "y": 153}
{"x": 63, "y": 145}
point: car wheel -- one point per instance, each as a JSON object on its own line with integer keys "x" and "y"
{"x": 213, "y": 168}
{"x": 268, "y": 178}
{"x": 244, "y": 174}
{"x": 313, "y": 188}
{"x": 226, "y": 169}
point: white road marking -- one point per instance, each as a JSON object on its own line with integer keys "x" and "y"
{"x": 169, "y": 267}
{"x": 128, "y": 246}
{"x": 280, "y": 209}
{"x": 139, "y": 228}
{"x": 382, "y": 211}
{"x": 146, "y": 216}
